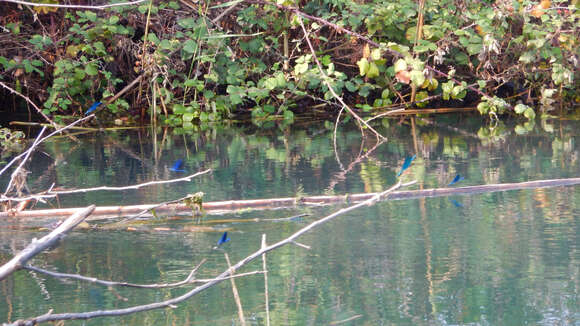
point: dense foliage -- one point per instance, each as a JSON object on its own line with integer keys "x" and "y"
{"x": 203, "y": 62}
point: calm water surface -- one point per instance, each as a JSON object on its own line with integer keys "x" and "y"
{"x": 503, "y": 258}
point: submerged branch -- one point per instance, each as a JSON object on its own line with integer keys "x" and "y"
{"x": 189, "y": 279}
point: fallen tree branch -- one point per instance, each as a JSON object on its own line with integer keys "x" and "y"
{"x": 38, "y": 245}
{"x": 221, "y": 277}
{"x": 234, "y": 205}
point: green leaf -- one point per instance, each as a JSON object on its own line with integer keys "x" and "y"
{"x": 417, "y": 77}
{"x": 520, "y": 130}
{"x": 153, "y": 38}
{"x": 288, "y": 115}
{"x": 527, "y": 57}
{"x": 529, "y": 113}
{"x": 187, "y": 117}
{"x": 385, "y": 94}
{"x": 91, "y": 69}
{"x": 483, "y": 108}
{"x": 350, "y": 86}
{"x": 187, "y": 23}
{"x": 400, "y": 65}
{"x": 300, "y": 68}
{"x": 520, "y": 108}
{"x": 424, "y": 46}
{"x": 363, "y": 66}
{"x": 373, "y": 70}
{"x": 376, "y": 54}
{"x": 190, "y": 83}
{"x": 190, "y": 46}
{"x": 92, "y": 16}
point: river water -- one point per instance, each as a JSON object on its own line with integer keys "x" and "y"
{"x": 501, "y": 258}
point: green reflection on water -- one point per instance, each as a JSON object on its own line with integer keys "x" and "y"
{"x": 508, "y": 258}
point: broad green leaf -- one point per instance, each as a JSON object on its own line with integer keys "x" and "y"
{"x": 91, "y": 69}
{"x": 190, "y": 46}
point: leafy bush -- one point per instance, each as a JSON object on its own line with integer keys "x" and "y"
{"x": 255, "y": 60}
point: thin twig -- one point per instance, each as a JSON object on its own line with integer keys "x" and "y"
{"x": 235, "y": 292}
{"x": 19, "y": 167}
{"x": 50, "y": 193}
{"x": 189, "y": 279}
{"x": 58, "y": 130}
{"x": 29, "y": 101}
{"x": 101, "y": 7}
{"x": 334, "y": 139}
{"x": 264, "y": 268}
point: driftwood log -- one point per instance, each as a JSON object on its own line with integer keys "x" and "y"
{"x": 234, "y": 205}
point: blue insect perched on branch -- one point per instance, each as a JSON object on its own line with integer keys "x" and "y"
{"x": 456, "y": 180}
{"x": 93, "y": 107}
{"x": 406, "y": 164}
{"x": 224, "y": 238}
{"x": 177, "y": 166}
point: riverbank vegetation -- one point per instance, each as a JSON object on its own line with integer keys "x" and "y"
{"x": 180, "y": 63}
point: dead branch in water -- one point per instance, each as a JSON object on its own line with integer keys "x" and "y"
{"x": 269, "y": 203}
{"x": 227, "y": 274}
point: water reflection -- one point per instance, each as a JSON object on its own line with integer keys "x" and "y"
{"x": 507, "y": 258}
